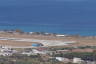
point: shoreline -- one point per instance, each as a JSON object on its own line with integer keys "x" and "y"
{"x": 41, "y": 32}
{"x": 29, "y": 29}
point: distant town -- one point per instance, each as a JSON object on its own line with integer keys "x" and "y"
{"x": 18, "y": 47}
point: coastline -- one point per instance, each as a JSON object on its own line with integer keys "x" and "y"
{"x": 51, "y": 29}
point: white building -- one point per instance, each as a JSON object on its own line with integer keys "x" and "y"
{"x": 38, "y": 52}
{"x": 59, "y": 58}
{"x": 27, "y": 53}
{"x": 5, "y": 51}
{"x": 77, "y": 60}
{"x": 5, "y": 54}
{"x": 60, "y": 35}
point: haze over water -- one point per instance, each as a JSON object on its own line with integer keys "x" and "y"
{"x": 56, "y": 16}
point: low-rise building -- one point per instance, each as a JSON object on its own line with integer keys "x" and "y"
{"x": 62, "y": 51}
{"x": 5, "y": 51}
{"x": 5, "y": 54}
{"x": 61, "y": 59}
{"x": 77, "y": 60}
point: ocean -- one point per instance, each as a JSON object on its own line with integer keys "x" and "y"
{"x": 54, "y": 16}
